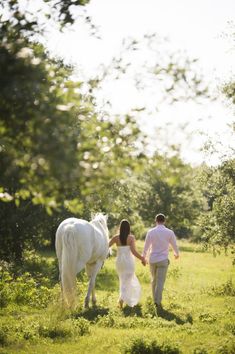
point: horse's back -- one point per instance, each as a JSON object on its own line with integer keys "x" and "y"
{"x": 73, "y": 221}
{"x": 78, "y": 234}
{"x": 83, "y": 239}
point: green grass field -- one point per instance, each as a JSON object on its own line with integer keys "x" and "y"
{"x": 198, "y": 314}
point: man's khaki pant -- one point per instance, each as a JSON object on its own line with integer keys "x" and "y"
{"x": 158, "y": 273}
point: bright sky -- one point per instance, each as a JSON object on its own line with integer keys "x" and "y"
{"x": 201, "y": 28}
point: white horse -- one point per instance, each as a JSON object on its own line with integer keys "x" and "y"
{"x": 81, "y": 244}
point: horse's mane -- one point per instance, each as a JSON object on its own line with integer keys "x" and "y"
{"x": 99, "y": 217}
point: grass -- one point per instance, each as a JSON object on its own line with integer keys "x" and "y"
{"x": 198, "y": 314}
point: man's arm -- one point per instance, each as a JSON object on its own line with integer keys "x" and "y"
{"x": 134, "y": 251}
{"x": 174, "y": 245}
{"x": 146, "y": 245}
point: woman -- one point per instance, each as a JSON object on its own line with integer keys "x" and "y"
{"x": 129, "y": 285}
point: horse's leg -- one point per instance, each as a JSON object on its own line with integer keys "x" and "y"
{"x": 92, "y": 271}
{"x": 93, "y": 297}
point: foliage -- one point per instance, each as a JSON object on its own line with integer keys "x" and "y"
{"x": 61, "y": 10}
{"x": 226, "y": 289}
{"x": 24, "y": 290}
{"x": 172, "y": 188}
{"x": 39, "y": 129}
{"x": 218, "y": 222}
{"x": 140, "y": 346}
{"x": 57, "y": 154}
{"x": 188, "y": 312}
{"x": 61, "y": 157}
{"x": 229, "y": 91}
{"x": 218, "y": 183}
{"x": 171, "y": 76}
{"x": 64, "y": 9}
{"x": 65, "y": 329}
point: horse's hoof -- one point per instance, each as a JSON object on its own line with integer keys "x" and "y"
{"x": 86, "y": 305}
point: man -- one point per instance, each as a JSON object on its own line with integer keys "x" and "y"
{"x": 157, "y": 242}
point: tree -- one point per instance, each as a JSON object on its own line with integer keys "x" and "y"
{"x": 150, "y": 67}
{"x": 57, "y": 155}
{"x": 173, "y": 190}
{"x": 218, "y": 183}
{"x": 39, "y": 129}
{"x": 218, "y": 222}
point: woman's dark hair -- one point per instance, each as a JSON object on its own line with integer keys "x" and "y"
{"x": 124, "y": 231}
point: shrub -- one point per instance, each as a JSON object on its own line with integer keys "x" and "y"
{"x": 200, "y": 350}
{"x": 207, "y": 318}
{"x": 64, "y": 329}
{"x": 5, "y": 289}
{"x": 4, "y": 337}
{"x": 149, "y": 308}
{"x": 106, "y": 321}
{"x": 226, "y": 289}
{"x": 24, "y": 290}
{"x": 174, "y": 273}
{"x": 140, "y": 346}
{"x": 13, "y": 330}
{"x": 81, "y": 326}
{"x": 230, "y": 327}
{"x": 227, "y": 348}
{"x": 59, "y": 330}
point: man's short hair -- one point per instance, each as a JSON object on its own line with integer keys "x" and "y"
{"x": 160, "y": 218}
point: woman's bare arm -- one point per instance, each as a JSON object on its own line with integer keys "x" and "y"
{"x": 134, "y": 251}
{"x": 113, "y": 240}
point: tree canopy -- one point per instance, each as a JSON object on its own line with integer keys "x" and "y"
{"x": 61, "y": 156}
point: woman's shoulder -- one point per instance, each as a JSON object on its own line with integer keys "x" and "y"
{"x": 130, "y": 238}
{"x": 115, "y": 237}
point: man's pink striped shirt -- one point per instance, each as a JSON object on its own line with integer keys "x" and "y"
{"x": 157, "y": 242}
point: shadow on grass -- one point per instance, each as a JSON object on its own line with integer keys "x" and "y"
{"x": 132, "y": 311}
{"x": 170, "y": 316}
{"x": 91, "y": 314}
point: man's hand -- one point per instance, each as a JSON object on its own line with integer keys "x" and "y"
{"x": 176, "y": 256}
{"x": 143, "y": 261}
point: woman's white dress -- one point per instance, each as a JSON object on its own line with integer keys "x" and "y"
{"x": 129, "y": 286}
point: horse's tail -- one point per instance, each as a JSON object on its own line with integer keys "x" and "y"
{"x": 66, "y": 249}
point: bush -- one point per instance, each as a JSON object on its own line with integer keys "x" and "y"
{"x": 230, "y": 327}
{"x": 227, "y": 348}
{"x": 174, "y": 272}
{"x": 59, "y": 330}
{"x": 226, "y": 289}
{"x": 65, "y": 329}
{"x": 149, "y": 308}
{"x": 200, "y": 350}
{"x": 13, "y": 330}
{"x": 207, "y": 318}
{"x": 24, "y": 290}
{"x": 4, "y": 337}
{"x": 40, "y": 267}
{"x": 5, "y": 289}
{"x": 81, "y": 326}
{"x": 139, "y": 346}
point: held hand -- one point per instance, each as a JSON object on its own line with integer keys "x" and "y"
{"x": 143, "y": 261}
{"x": 176, "y": 256}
